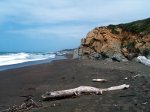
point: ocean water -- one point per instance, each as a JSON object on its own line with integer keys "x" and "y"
{"x": 20, "y": 59}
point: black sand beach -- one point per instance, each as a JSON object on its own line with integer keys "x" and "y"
{"x": 65, "y": 74}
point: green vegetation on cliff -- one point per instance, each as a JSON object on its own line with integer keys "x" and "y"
{"x": 139, "y": 27}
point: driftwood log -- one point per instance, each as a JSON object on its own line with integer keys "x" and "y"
{"x": 78, "y": 91}
{"x": 99, "y": 80}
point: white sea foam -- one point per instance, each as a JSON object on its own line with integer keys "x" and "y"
{"x": 144, "y": 60}
{"x": 16, "y": 58}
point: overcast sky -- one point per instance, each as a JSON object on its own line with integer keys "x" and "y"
{"x": 50, "y": 25}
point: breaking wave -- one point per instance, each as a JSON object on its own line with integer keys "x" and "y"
{"x": 16, "y": 58}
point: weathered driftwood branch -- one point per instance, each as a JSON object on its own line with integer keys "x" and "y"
{"x": 78, "y": 91}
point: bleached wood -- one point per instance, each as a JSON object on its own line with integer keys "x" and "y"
{"x": 78, "y": 91}
{"x": 99, "y": 80}
{"x": 117, "y": 87}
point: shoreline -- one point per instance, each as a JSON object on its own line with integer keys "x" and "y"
{"x": 30, "y": 63}
{"x": 65, "y": 74}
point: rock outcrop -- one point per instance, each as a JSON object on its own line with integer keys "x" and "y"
{"x": 116, "y": 42}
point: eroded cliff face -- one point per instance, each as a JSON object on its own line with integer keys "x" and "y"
{"x": 134, "y": 45}
{"x": 113, "y": 43}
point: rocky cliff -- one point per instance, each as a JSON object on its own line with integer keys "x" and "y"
{"x": 116, "y": 42}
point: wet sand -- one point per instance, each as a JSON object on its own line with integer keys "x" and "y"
{"x": 65, "y": 74}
